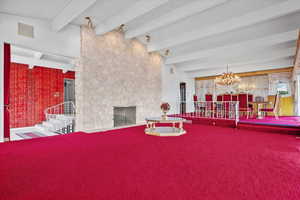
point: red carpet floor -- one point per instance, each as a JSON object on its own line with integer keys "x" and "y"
{"x": 281, "y": 121}
{"x": 208, "y": 163}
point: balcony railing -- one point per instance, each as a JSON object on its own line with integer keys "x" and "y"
{"x": 208, "y": 109}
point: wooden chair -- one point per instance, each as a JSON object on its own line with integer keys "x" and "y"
{"x": 219, "y": 106}
{"x": 227, "y": 98}
{"x": 195, "y": 98}
{"x": 274, "y": 109}
{"x": 235, "y": 97}
{"x": 209, "y": 105}
{"x": 220, "y": 98}
{"x": 208, "y": 97}
{"x": 250, "y": 99}
{"x": 244, "y": 106}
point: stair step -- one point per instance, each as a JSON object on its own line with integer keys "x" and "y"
{"x": 48, "y": 125}
{"x": 39, "y": 126}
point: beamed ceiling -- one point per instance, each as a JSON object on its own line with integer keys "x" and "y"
{"x": 203, "y": 36}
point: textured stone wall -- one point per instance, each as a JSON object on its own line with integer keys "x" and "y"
{"x": 113, "y": 71}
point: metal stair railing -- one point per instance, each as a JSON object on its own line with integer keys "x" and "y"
{"x": 65, "y": 112}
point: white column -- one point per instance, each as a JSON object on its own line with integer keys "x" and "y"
{"x": 1, "y": 90}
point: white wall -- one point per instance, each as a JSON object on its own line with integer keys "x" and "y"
{"x": 65, "y": 42}
{"x": 171, "y": 89}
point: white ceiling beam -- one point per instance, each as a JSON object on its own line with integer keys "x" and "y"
{"x": 43, "y": 63}
{"x": 240, "y": 60}
{"x": 238, "y": 47}
{"x": 252, "y": 18}
{"x": 276, "y": 64}
{"x": 254, "y": 61}
{"x": 70, "y": 12}
{"x": 173, "y": 16}
{"x": 139, "y": 8}
{"x": 235, "y": 57}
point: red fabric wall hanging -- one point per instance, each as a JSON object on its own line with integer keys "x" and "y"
{"x": 34, "y": 90}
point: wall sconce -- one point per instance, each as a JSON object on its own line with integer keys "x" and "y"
{"x": 167, "y": 52}
{"x": 148, "y": 38}
{"x": 121, "y": 28}
{"x": 89, "y": 22}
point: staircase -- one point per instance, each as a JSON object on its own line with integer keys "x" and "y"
{"x": 59, "y": 118}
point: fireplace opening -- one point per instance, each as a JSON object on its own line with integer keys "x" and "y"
{"x": 124, "y": 116}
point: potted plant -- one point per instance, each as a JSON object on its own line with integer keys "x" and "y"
{"x": 165, "y": 107}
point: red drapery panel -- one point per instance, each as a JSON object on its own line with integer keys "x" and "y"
{"x": 6, "y": 91}
{"x": 32, "y": 91}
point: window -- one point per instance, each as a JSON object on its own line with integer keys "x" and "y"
{"x": 283, "y": 88}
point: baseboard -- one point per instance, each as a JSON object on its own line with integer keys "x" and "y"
{"x": 113, "y": 128}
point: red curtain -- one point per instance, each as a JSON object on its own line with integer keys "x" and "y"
{"x": 6, "y": 90}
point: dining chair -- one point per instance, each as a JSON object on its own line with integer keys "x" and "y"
{"x": 244, "y": 106}
{"x": 274, "y": 109}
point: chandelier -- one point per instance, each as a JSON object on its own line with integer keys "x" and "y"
{"x": 227, "y": 79}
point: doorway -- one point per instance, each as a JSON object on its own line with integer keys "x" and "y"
{"x": 69, "y": 93}
{"x": 182, "y": 98}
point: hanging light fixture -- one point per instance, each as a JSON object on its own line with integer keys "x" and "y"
{"x": 167, "y": 52}
{"x": 89, "y": 22}
{"x": 121, "y": 28}
{"x": 148, "y": 38}
{"x": 227, "y": 78}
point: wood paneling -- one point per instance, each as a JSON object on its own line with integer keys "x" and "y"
{"x": 286, "y": 105}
